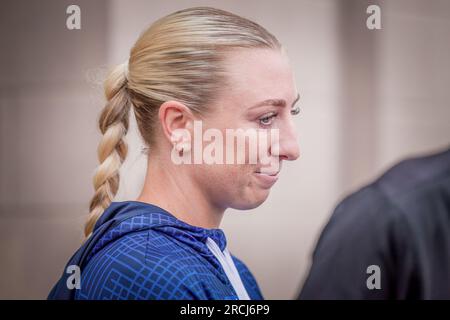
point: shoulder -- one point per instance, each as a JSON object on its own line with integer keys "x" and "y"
{"x": 387, "y": 223}
{"x": 417, "y": 177}
{"x": 357, "y": 236}
{"x": 248, "y": 279}
{"x": 406, "y": 198}
{"x": 143, "y": 265}
{"x": 403, "y": 194}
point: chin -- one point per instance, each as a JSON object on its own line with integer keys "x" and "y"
{"x": 251, "y": 201}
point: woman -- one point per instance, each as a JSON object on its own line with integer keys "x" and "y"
{"x": 199, "y": 65}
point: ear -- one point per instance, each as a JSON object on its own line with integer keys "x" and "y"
{"x": 174, "y": 118}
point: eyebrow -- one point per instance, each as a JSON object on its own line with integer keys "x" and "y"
{"x": 275, "y": 102}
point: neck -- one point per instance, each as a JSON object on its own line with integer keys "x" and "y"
{"x": 170, "y": 187}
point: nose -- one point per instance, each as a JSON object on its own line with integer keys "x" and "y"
{"x": 287, "y": 147}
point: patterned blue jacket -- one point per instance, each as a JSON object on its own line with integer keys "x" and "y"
{"x": 141, "y": 251}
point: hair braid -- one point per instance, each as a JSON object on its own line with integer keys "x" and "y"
{"x": 112, "y": 150}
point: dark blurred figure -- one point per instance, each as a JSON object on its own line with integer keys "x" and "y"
{"x": 389, "y": 240}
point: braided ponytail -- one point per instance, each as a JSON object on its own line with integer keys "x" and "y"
{"x": 112, "y": 150}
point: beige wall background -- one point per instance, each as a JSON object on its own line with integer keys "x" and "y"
{"x": 369, "y": 99}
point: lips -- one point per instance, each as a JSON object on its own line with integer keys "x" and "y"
{"x": 268, "y": 173}
{"x": 266, "y": 179}
{"x": 272, "y": 170}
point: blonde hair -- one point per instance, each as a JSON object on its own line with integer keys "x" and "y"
{"x": 177, "y": 58}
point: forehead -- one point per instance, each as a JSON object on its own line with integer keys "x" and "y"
{"x": 259, "y": 74}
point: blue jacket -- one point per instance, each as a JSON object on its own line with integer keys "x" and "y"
{"x": 141, "y": 251}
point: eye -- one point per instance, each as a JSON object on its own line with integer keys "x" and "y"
{"x": 267, "y": 120}
{"x": 295, "y": 111}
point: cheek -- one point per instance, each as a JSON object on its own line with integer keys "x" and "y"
{"x": 235, "y": 185}
{"x": 231, "y": 186}
{"x": 228, "y": 176}
{"x": 224, "y": 182}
